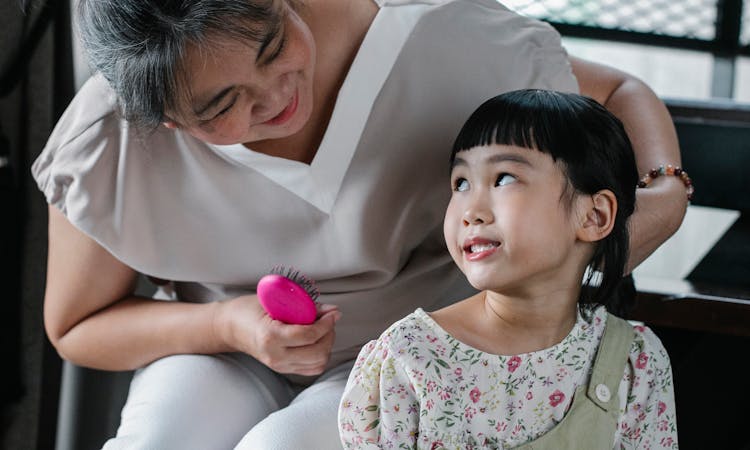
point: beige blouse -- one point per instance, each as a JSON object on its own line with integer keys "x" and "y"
{"x": 364, "y": 219}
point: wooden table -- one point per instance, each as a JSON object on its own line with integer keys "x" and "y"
{"x": 685, "y": 305}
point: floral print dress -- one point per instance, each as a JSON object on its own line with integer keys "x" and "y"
{"x": 418, "y": 387}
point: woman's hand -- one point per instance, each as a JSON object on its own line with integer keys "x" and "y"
{"x": 244, "y": 326}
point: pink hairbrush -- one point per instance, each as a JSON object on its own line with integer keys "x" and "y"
{"x": 288, "y": 296}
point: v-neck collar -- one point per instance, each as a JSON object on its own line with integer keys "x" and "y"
{"x": 319, "y": 183}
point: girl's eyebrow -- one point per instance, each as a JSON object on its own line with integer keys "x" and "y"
{"x": 495, "y": 159}
{"x": 510, "y": 157}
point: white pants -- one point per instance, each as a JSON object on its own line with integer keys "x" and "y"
{"x": 210, "y": 402}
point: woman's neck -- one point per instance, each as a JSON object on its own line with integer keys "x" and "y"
{"x": 338, "y": 28}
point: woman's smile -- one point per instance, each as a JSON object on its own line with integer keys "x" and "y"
{"x": 286, "y": 114}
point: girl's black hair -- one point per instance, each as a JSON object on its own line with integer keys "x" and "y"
{"x": 594, "y": 152}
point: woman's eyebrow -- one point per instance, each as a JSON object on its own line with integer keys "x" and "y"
{"x": 200, "y": 110}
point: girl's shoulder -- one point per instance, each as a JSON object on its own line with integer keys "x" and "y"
{"x": 412, "y": 329}
{"x": 647, "y": 374}
{"x": 647, "y": 351}
{"x": 398, "y": 340}
{"x": 645, "y": 342}
{"x": 646, "y": 393}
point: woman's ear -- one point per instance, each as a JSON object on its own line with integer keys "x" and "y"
{"x": 170, "y": 125}
{"x": 599, "y": 216}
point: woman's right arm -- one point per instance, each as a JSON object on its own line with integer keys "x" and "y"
{"x": 93, "y": 319}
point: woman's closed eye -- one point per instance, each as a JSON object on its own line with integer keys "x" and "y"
{"x": 277, "y": 52}
{"x": 504, "y": 179}
{"x": 223, "y": 111}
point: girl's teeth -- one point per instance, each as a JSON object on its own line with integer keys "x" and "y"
{"x": 481, "y": 247}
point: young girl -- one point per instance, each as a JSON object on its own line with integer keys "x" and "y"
{"x": 543, "y": 185}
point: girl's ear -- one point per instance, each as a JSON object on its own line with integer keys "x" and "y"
{"x": 599, "y": 216}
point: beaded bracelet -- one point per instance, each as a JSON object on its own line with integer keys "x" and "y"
{"x": 669, "y": 170}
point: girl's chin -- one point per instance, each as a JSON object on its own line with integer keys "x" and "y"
{"x": 482, "y": 284}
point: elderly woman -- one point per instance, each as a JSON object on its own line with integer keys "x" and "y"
{"x": 222, "y": 137}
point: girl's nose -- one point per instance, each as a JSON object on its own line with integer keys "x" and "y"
{"x": 477, "y": 213}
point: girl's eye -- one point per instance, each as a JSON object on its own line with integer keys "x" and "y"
{"x": 460, "y": 185}
{"x": 505, "y": 178}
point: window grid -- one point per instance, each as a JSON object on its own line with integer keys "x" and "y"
{"x": 745, "y": 30}
{"x": 693, "y": 19}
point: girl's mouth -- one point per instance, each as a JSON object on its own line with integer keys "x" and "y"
{"x": 286, "y": 114}
{"x": 477, "y": 249}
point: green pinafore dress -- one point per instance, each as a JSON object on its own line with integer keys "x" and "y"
{"x": 591, "y": 422}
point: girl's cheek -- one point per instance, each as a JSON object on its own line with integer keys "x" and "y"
{"x": 450, "y": 228}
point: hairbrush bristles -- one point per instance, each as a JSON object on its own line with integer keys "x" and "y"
{"x": 298, "y": 277}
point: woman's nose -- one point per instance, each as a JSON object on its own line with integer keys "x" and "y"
{"x": 272, "y": 95}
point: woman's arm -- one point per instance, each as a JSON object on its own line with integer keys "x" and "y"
{"x": 661, "y": 207}
{"x": 93, "y": 319}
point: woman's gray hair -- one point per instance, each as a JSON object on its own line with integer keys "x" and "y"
{"x": 139, "y": 46}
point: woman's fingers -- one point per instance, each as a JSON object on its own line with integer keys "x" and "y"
{"x": 311, "y": 359}
{"x": 299, "y": 349}
{"x": 324, "y": 308}
{"x": 301, "y": 335}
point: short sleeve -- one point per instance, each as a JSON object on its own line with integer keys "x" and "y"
{"x": 648, "y": 419}
{"x": 379, "y": 408}
{"x": 77, "y": 169}
{"x": 550, "y": 54}
{"x": 120, "y": 186}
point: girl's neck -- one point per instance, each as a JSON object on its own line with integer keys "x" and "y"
{"x": 503, "y": 325}
{"x": 522, "y": 325}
